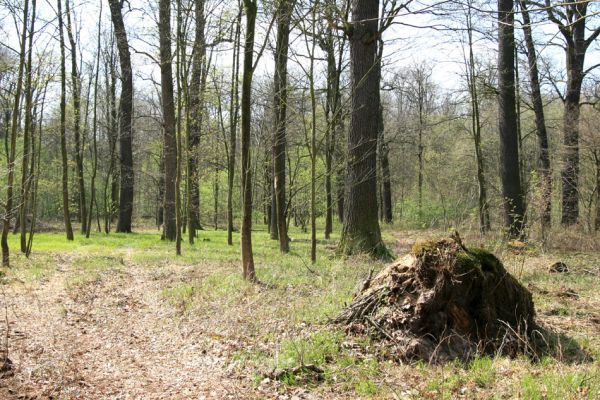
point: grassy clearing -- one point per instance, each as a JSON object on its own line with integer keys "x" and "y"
{"x": 285, "y": 326}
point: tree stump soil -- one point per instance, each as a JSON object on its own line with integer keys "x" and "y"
{"x": 444, "y": 302}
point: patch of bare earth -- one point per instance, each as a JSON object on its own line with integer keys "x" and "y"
{"x": 111, "y": 336}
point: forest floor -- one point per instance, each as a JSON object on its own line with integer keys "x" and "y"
{"x": 121, "y": 317}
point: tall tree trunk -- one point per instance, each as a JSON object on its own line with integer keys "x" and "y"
{"x": 571, "y": 22}
{"x": 509, "y": 141}
{"x": 11, "y": 153}
{"x": 249, "y": 273}
{"x": 35, "y": 168}
{"x": 196, "y": 106}
{"x": 284, "y": 13}
{"x": 383, "y": 152}
{"x": 28, "y": 151}
{"x": 483, "y": 206}
{"x": 63, "y": 133}
{"x": 76, "y": 95}
{"x": 361, "y": 231}
{"x": 597, "y": 222}
{"x": 126, "y": 116}
{"x": 543, "y": 159}
{"x": 168, "y": 106}
{"x": 233, "y": 122}
{"x": 95, "y": 127}
{"x": 313, "y": 140}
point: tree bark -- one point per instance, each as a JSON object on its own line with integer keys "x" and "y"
{"x": 168, "y": 108}
{"x": 63, "y": 134}
{"x": 483, "y": 206}
{"x": 197, "y": 88}
{"x": 95, "y": 127}
{"x": 233, "y": 121}
{"x": 509, "y": 141}
{"x": 383, "y": 152}
{"x": 28, "y": 136}
{"x": 543, "y": 159}
{"x": 249, "y": 273}
{"x": 76, "y": 95}
{"x": 13, "y": 142}
{"x": 284, "y": 14}
{"x": 126, "y": 115}
{"x": 361, "y": 231}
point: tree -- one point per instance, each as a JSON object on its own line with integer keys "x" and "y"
{"x": 76, "y": 96}
{"x": 94, "y": 130}
{"x": 361, "y": 232}
{"x": 8, "y": 211}
{"x": 543, "y": 159}
{"x": 63, "y": 134}
{"x": 249, "y": 273}
{"x": 571, "y": 18}
{"x": 284, "y": 12}
{"x": 125, "y": 120}
{"x": 28, "y": 137}
{"x": 471, "y": 73}
{"x": 233, "y": 123}
{"x": 168, "y": 109}
{"x": 507, "y": 122}
{"x": 197, "y": 88}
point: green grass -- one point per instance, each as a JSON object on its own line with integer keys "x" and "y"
{"x": 285, "y": 325}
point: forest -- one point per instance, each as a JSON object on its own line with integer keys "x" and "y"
{"x": 300, "y": 199}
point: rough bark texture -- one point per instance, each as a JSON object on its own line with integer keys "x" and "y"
{"x": 383, "y": 153}
{"x": 444, "y": 302}
{"x": 28, "y": 137}
{"x": 361, "y": 231}
{"x": 507, "y": 122}
{"x": 543, "y": 160}
{"x": 76, "y": 95}
{"x": 8, "y": 211}
{"x": 126, "y": 115}
{"x": 195, "y": 130}
{"x": 249, "y": 273}
{"x": 483, "y": 206}
{"x": 63, "y": 134}
{"x": 571, "y": 21}
{"x": 284, "y": 13}
{"x": 233, "y": 123}
{"x": 168, "y": 106}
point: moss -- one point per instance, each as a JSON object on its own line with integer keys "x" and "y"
{"x": 422, "y": 246}
{"x": 481, "y": 259}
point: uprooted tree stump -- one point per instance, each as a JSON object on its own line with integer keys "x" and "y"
{"x": 443, "y": 302}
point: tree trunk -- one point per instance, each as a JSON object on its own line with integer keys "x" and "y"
{"x": 249, "y": 273}
{"x": 509, "y": 141}
{"x": 76, "y": 94}
{"x": 13, "y": 141}
{"x": 383, "y": 153}
{"x": 543, "y": 159}
{"x": 233, "y": 121}
{"x": 28, "y": 154}
{"x": 284, "y": 14}
{"x": 483, "y": 206}
{"x": 63, "y": 134}
{"x": 197, "y": 87}
{"x": 95, "y": 127}
{"x": 126, "y": 115}
{"x": 168, "y": 108}
{"x": 361, "y": 231}
{"x": 597, "y": 222}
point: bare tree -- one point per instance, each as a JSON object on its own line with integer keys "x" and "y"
{"x": 507, "y": 119}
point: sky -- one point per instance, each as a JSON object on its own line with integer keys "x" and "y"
{"x": 412, "y": 39}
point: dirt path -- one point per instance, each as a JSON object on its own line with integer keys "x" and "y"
{"x": 109, "y": 336}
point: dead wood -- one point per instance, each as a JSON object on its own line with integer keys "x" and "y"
{"x": 442, "y": 302}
